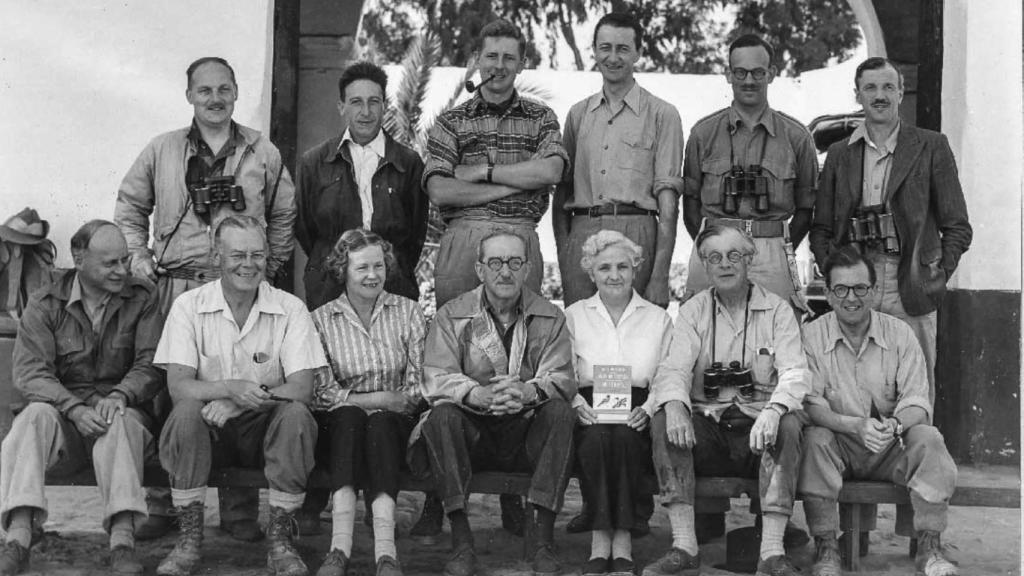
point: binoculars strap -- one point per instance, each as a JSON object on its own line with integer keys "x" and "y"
{"x": 764, "y": 147}
{"x": 714, "y": 325}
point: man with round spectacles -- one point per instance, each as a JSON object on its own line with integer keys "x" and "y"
{"x": 754, "y": 168}
{"x": 871, "y": 416}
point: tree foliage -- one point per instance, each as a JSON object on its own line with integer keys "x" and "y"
{"x": 679, "y": 36}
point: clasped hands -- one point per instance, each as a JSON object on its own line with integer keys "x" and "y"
{"x": 506, "y": 394}
{"x": 876, "y": 435}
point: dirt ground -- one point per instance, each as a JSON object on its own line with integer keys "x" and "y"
{"x": 985, "y": 541}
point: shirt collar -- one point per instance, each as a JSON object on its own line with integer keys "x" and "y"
{"x": 636, "y": 302}
{"x": 76, "y": 295}
{"x": 234, "y": 139}
{"x": 376, "y": 145}
{"x": 861, "y": 133}
{"x": 480, "y": 106}
{"x": 212, "y": 300}
{"x": 631, "y": 99}
{"x": 767, "y": 119}
{"x": 835, "y": 333}
{"x": 342, "y": 305}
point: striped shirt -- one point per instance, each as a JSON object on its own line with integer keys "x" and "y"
{"x": 477, "y": 132}
{"x": 388, "y": 357}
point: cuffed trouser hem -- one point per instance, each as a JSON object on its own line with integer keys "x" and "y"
{"x": 284, "y": 500}
{"x": 928, "y": 515}
{"x": 182, "y": 497}
{"x": 673, "y": 465}
{"x": 780, "y": 467}
{"x": 822, "y": 515}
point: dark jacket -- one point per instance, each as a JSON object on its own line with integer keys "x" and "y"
{"x": 927, "y": 203}
{"x": 58, "y": 359}
{"x": 327, "y": 199}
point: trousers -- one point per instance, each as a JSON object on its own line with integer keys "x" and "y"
{"x": 41, "y": 439}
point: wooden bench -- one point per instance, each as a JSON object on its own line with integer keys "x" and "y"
{"x": 996, "y": 487}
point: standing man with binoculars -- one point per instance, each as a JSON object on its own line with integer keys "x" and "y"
{"x": 752, "y": 168}
{"x": 189, "y": 180}
{"x": 729, "y": 398}
{"x": 892, "y": 190}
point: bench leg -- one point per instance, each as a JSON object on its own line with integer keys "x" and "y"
{"x": 905, "y": 525}
{"x": 851, "y": 547}
{"x": 529, "y": 530}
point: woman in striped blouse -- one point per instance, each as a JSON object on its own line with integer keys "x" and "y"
{"x": 367, "y": 397}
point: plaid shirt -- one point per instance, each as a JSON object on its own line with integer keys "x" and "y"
{"x": 477, "y": 132}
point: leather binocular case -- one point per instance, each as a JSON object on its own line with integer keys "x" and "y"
{"x": 718, "y": 376}
{"x": 749, "y": 181}
{"x": 217, "y": 190}
{"x": 874, "y": 227}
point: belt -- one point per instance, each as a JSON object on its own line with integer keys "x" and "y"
{"x": 612, "y": 210}
{"x": 186, "y": 273}
{"x": 755, "y": 228}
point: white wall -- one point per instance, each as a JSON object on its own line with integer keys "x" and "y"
{"x": 982, "y": 116}
{"x": 84, "y": 85}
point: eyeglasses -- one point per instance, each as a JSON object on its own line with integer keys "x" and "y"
{"x": 515, "y": 263}
{"x": 842, "y": 290}
{"x": 734, "y": 256}
{"x": 741, "y": 73}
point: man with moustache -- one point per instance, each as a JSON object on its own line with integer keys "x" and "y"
{"x": 491, "y": 163}
{"x": 892, "y": 190}
{"x": 240, "y": 357}
{"x": 84, "y": 361}
{"x": 749, "y": 425}
{"x": 170, "y": 180}
{"x": 626, "y": 150}
{"x": 871, "y": 413}
{"x": 754, "y": 168}
{"x": 498, "y": 373}
{"x": 362, "y": 178}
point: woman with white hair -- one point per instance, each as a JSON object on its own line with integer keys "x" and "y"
{"x": 615, "y": 331}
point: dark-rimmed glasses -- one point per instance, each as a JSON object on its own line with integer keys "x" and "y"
{"x": 741, "y": 73}
{"x": 515, "y": 263}
{"x": 842, "y": 290}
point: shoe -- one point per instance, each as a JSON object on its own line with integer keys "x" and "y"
{"x": 155, "y": 527}
{"x": 244, "y": 530}
{"x": 931, "y": 557}
{"x": 827, "y": 561}
{"x": 545, "y": 563}
{"x": 512, "y": 514}
{"x": 388, "y": 566}
{"x": 675, "y": 561}
{"x": 579, "y": 524}
{"x": 308, "y": 521}
{"x": 622, "y": 567}
{"x": 123, "y": 561}
{"x": 184, "y": 558}
{"x": 335, "y": 564}
{"x": 776, "y": 566}
{"x": 641, "y": 527}
{"x": 865, "y": 541}
{"x": 428, "y": 527}
{"x": 596, "y": 567}
{"x": 13, "y": 559}
{"x": 282, "y": 558}
{"x": 794, "y": 537}
{"x": 462, "y": 562}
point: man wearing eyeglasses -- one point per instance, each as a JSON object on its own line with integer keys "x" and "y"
{"x": 872, "y": 416}
{"x": 729, "y": 398}
{"x": 753, "y": 168}
{"x": 498, "y": 374}
{"x": 892, "y": 190}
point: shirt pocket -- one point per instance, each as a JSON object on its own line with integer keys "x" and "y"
{"x": 637, "y": 152}
{"x": 269, "y": 373}
{"x": 781, "y": 174}
{"x": 713, "y": 173}
{"x": 70, "y": 343}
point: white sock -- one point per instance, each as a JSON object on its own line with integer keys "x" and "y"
{"x": 684, "y": 536}
{"x": 773, "y": 527}
{"x": 122, "y": 530}
{"x": 384, "y": 527}
{"x": 622, "y": 544}
{"x": 344, "y": 517}
{"x": 601, "y": 544}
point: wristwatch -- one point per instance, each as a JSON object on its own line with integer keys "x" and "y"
{"x": 780, "y": 408}
{"x": 897, "y": 428}
{"x": 490, "y": 172}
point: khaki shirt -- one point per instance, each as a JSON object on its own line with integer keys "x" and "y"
{"x": 888, "y": 370}
{"x": 790, "y": 162}
{"x": 626, "y": 155}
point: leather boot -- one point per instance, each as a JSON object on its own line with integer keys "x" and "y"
{"x": 184, "y": 558}
{"x": 282, "y": 558}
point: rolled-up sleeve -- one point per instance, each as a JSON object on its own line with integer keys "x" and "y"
{"x": 442, "y": 150}
{"x": 178, "y": 342}
{"x": 790, "y": 361}
{"x": 549, "y": 143}
{"x": 414, "y": 355}
{"x": 674, "y": 377}
{"x": 668, "y": 159}
{"x": 804, "y": 190}
{"x": 912, "y": 374}
{"x": 301, "y": 348}
{"x": 693, "y": 176}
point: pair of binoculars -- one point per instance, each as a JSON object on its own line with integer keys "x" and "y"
{"x": 718, "y": 376}
{"x": 874, "y": 226}
{"x": 217, "y": 190}
{"x": 745, "y": 182}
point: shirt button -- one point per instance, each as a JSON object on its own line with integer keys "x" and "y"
{"x": 609, "y": 122}
{"x": 602, "y": 171}
{"x": 605, "y": 146}
{"x": 600, "y": 196}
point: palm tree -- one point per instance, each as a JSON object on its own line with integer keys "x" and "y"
{"x": 405, "y": 122}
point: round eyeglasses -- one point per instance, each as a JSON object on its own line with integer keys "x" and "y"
{"x": 842, "y": 290}
{"x": 514, "y": 263}
{"x": 741, "y": 73}
{"x": 733, "y": 256}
